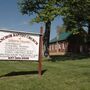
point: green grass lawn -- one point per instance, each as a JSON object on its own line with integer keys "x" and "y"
{"x": 59, "y": 75}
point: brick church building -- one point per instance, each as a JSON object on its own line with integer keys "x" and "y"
{"x": 67, "y": 43}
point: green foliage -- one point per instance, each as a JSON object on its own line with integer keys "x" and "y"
{"x": 45, "y": 10}
{"x": 76, "y": 14}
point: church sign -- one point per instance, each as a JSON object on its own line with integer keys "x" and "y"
{"x": 18, "y": 46}
{"x": 21, "y": 46}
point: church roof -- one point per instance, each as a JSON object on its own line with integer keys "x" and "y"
{"x": 61, "y": 37}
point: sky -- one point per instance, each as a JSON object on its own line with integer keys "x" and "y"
{"x": 12, "y": 19}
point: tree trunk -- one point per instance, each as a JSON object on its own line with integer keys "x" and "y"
{"x": 89, "y": 28}
{"x": 88, "y": 36}
{"x": 47, "y": 38}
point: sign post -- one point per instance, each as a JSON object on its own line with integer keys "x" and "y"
{"x": 40, "y": 52}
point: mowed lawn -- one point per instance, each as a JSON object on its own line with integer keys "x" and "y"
{"x": 59, "y": 75}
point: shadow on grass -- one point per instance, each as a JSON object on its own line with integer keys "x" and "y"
{"x": 69, "y": 57}
{"x": 22, "y": 73}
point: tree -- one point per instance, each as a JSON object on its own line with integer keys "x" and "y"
{"x": 45, "y": 11}
{"x": 76, "y": 15}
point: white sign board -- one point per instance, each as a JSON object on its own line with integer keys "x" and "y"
{"x": 19, "y": 46}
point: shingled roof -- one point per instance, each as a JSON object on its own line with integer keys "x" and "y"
{"x": 61, "y": 37}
